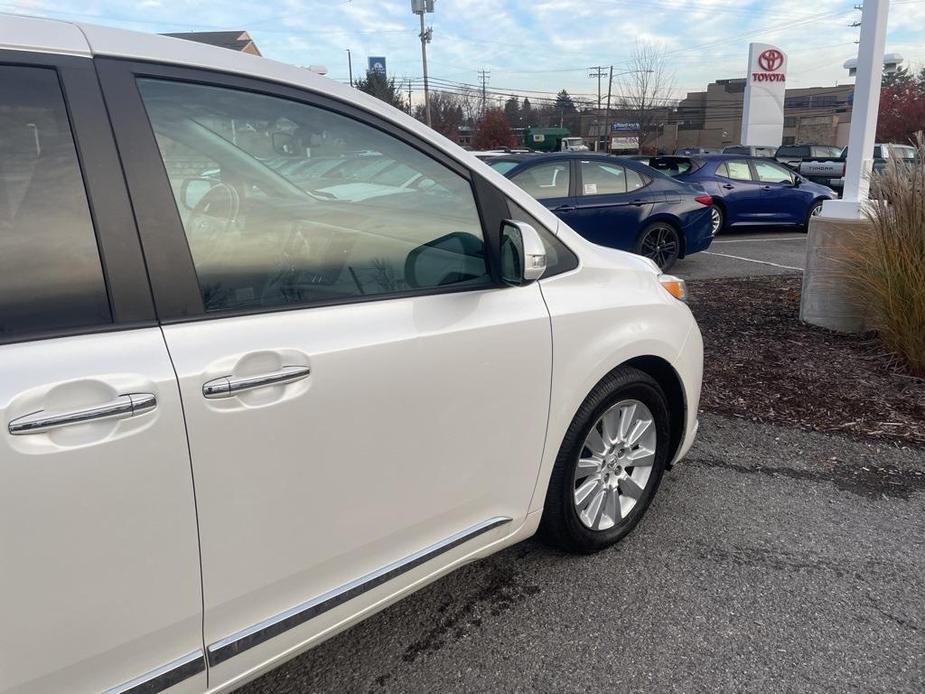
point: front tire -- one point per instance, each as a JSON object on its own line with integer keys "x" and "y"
{"x": 610, "y": 464}
{"x": 814, "y": 211}
{"x": 661, "y": 243}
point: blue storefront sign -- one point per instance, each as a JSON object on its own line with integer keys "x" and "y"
{"x": 624, "y": 127}
{"x": 377, "y": 64}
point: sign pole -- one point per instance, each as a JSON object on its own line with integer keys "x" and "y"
{"x": 861, "y": 138}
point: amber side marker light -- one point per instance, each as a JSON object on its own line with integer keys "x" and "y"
{"x": 674, "y": 286}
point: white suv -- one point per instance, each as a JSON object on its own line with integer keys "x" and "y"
{"x": 274, "y": 355}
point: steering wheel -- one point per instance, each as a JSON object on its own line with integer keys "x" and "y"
{"x": 216, "y": 211}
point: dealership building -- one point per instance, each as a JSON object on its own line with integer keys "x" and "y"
{"x": 713, "y": 118}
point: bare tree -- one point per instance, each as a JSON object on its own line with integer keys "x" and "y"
{"x": 471, "y": 103}
{"x": 446, "y": 113}
{"x": 647, "y": 88}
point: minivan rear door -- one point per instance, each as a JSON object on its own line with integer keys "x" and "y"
{"x": 100, "y": 583}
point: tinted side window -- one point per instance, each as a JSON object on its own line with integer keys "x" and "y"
{"x": 736, "y": 170}
{"x": 602, "y": 179}
{"x": 50, "y": 273}
{"x": 736, "y": 150}
{"x": 772, "y": 173}
{"x": 635, "y": 181}
{"x": 285, "y": 203}
{"x": 545, "y": 180}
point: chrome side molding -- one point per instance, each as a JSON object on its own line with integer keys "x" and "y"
{"x": 165, "y": 676}
{"x": 240, "y": 641}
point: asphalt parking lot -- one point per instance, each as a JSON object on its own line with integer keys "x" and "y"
{"x": 738, "y": 254}
{"x": 771, "y": 560}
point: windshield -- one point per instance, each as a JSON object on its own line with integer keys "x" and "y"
{"x": 904, "y": 152}
{"x": 672, "y": 166}
{"x": 503, "y": 166}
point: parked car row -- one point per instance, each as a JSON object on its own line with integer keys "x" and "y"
{"x": 664, "y": 208}
{"x": 749, "y": 191}
{"x": 830, "y": 171}
{"x": 617, "y": 202}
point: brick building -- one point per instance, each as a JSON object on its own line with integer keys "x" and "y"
{"x": 713, "y": 118}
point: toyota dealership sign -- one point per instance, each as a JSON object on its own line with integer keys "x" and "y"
{"x": 763, "y": 112}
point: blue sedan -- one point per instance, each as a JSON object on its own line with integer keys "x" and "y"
{"x": 616, "y": 202}
{"x": 749, "y": 191}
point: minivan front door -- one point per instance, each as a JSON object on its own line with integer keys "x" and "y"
{"x": 365, "y": 405}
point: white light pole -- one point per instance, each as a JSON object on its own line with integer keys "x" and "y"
{"x": 863, "y": 114}
{"x": 419, "y": 7}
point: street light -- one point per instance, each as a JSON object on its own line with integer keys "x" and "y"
{"x": 863, "y": 130}
{"x": 420, "y": 7}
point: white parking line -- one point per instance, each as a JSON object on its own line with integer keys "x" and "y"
{"x": 752, "y": 260}
{"x": 801, "y": 237}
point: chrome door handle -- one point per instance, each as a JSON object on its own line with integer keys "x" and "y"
{"x": 229, "y": 386}
{"x": 123, "y": 407}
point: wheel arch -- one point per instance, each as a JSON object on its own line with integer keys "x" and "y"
{"x": 670, "y": 383}
{"x": 668, "y": 219}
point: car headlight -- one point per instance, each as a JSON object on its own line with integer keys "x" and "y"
{"x": 674, "y": 286}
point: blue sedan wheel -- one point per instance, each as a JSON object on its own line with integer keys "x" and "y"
{"x": 660, "y": 242}
{"x": 716, "y": 220}
{"x": 814, "y": 211}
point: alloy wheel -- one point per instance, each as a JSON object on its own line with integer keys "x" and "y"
{"x": 661, "y": 245}
{"x": 716, "y": 220}
{"x": 615, "y": 465}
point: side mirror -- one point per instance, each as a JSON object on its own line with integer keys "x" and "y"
{"x": 797, "y": 181}
{"x": 192, "y": 190}
{"x": 523, "y": 254}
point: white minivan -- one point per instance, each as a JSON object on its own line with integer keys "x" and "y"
{"x": 274, "y": 355}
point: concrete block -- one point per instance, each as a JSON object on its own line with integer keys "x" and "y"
{"x": 828, "y": 298}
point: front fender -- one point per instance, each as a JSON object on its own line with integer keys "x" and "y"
{"x": 601, "y": 318}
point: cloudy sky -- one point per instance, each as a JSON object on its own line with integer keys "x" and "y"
{"x": 532, "y": 46}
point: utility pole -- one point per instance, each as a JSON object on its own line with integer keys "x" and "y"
{"x": 607, "y": 120}
{"x": 484, "y": 76}
{"x": 598, "y": 71}
{"x": 410, "y": 110}
{"x": 420, "y": 7}
{"x": 350, "y": 66}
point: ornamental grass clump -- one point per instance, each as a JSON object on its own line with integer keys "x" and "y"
{"x": 888, "y": 265}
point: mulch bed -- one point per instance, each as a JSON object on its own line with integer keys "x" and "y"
{"x": 761, "y": 363}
